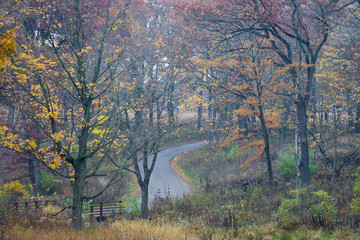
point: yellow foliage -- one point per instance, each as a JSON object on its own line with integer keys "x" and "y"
{"x": 258, "y": 146}
{"x": 13, "y": 191}
{"x": 3, "y": 129}
{"x": 101, "y": 119}
{"x": 192, "y": 101}
{"x": 59, "y": 136}
{"x": 51, "y": 209}
{"x": 31, "y": 143}
{"x": 10, "y": 140}
{"x": 272, "y": 120}
{"x": 7, "y": 47}
{"x": 241, "y": 111}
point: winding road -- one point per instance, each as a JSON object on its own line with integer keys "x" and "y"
{"x": 164, "y": 179}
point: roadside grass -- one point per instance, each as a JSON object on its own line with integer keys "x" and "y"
{"x": 148, "y": 230}
{"x": 185, "y": 133}
{"x": 227, "y": 196}
{"x": 219, "y": 208}
{"x": 181, "y": 173}
{"x": 220, "y": 166}
{"x": 227, "y": 202}
{"x": 124, "y": 229}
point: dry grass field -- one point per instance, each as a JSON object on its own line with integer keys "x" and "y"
{"x": 147, "y": 230}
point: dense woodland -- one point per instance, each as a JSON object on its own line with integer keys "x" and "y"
{"x": 89, "y": 88}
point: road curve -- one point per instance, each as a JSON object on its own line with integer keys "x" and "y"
{"x": 164, "y": 179}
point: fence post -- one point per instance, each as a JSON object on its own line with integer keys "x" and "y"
{"x": 91, "y": 212}
{"x": 121, "y": 209}
{"x": 101, "y": 211}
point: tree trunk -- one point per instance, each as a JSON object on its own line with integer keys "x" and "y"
{"x": 78, "y": 193}
{"x": 252, "y": 121}
{"x": 151, "y": 115}
{"x": 350, "y": 110}
{"x": 357, "y": 120}
{"x": 326, "y": 119}
{"x": 335, "y": 145}
{"x": 145, "y": 200}
{"x": 171, "y": 107}
{"x": 284, "y": 128}
{"x": 267, "y": 152}
{"x": 199, "y": 113}
{"x": 11, "y": 117}
{"x": 210, "y": 119}
{"x": 144, "y": 180}
{"x": 138, "y": 119}
{"x": 35, "y": 177}
{"x": 350, "y": 119}
{"x": 301, "y": 122}
{"x": 243, "y": 124}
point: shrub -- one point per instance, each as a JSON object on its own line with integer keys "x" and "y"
{"x": 13, "y": 191}
{"x": 288, "y": 211}
{"x": 85, "y": 205}
{"x": 355, "y": 203}
{"x": 232, "y": 151}
{"x": 287, "y": 166}
{"x": 317, "y": 210}
{"x": 47, "y": 182}
{"x": 131, "y": 205}
{"x": 323, "y": 205}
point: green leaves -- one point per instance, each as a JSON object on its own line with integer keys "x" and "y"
{"x": 287, "y": 166}
{"x": 355, "y": 204}
{"x": 323, "y": 203}
{"x": 316, "y": 208}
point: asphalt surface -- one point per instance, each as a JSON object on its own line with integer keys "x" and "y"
{"x": 164, "y": 180}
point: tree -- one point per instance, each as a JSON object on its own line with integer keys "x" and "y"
{"x": 335, "y": 99}
{"x": 156, "y": 55}
{"x": 67, "y": 84}
{"x": 248, "y": 77}
{"x": 7, "y": 48}
{"x": 7, "y": 25}
{"x": 296, "y": 29}
{"x": 350, "y": 45}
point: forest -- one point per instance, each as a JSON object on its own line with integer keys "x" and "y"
{"x": 255, "y": 103}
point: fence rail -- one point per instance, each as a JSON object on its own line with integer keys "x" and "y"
{"x": 96, "y": 210}
{"x": 33, "y": 204}
{"x": 103, "y": 209}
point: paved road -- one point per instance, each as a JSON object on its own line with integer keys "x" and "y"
{"x": 164, "y": 179}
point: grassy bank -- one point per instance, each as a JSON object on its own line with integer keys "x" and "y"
{"x": 227, "y": 202}
{"x": 228, "y": 196}
{"x": 145, "y": 230}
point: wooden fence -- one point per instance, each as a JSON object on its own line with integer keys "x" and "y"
{"x": 20, "y": 206}
{"x": 103, "y": 209}
{"x": 98, "y": 211}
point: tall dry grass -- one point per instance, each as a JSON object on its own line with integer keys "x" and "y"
{"x": 124, "y": 229}
{"x": 145, "y": 230}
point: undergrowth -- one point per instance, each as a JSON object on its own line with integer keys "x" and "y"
{"x": 223, "y": 199}
{"x": 166, "y": 230}
{"x": 227, "y": 202}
